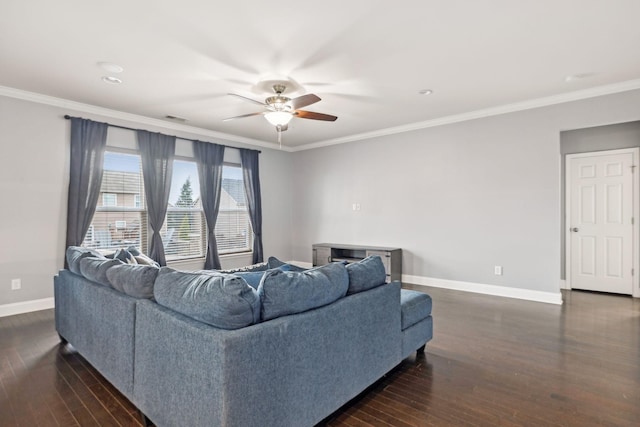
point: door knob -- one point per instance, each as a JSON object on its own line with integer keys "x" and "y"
{"x": 574, "y": 229}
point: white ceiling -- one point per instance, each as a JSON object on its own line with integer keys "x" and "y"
{"x": 366, "y": 59}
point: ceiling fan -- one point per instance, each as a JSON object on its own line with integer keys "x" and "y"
{"x": 280, "y": 109}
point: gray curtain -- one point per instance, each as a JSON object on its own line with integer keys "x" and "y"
{"x": 88, "y": 141}
{"x": 251, "y": 175}
{"x": 157, "y": 152}
{"x": 210, "y": 159}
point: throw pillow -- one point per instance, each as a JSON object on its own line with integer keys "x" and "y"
{"x": 76, "y": 253}
{"x": 366, "y": 274}
{"x": 125, "y": 256}
{"x": 290, "y": 292}
{"x": 134, "y": 251}
{"x": 134, "y": 280}
{"x": 95, "y": 269}
{"x": 253, "y": 278}
{"x": 274, "y": 262}
{"x": 221, "y": 300}
{"x": 141, "y": 258}
{"x": 261, "y": 266}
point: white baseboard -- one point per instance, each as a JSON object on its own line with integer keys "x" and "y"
{"x": 479, "y": 288}
{"x": 26, "y": 306}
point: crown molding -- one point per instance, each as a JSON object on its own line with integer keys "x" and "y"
{"x": 456, "y": 118}
{"x": 135, "y": 118}
{"x": 478, "y": 114}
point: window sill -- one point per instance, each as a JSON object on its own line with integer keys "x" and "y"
{"x": 228, "y": 260}
{"x": 236, "y": 255}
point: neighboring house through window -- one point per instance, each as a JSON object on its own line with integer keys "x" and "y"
{"x": 121, "y": 219}
{"x": 233, "y": 227}
{"x": 118, "y": 222}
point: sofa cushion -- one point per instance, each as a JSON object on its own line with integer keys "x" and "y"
{"x": 95, "y": 269}
{"x": 75, "y": 255}
{"x": 225, "y": 301}
{"x": 366, "y": 274}
{"x": 415, "y": 306}
{"x": 253, "y": 278}
{"x": 274, "y": 262}
{"x": 134, "y": 280}
{"x": 289, "y": 292}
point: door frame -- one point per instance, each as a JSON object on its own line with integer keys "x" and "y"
{"x": 636, "y": 212}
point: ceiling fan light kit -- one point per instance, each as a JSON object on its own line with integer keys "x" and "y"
{"x": 278, "y": 118}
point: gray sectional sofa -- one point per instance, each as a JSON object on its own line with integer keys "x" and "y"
{"x": 320, "y": 337}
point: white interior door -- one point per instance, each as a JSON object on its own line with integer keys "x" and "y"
{"x": 601, "y": 230}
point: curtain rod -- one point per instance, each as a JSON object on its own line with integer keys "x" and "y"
{"x": 68, "y": 117}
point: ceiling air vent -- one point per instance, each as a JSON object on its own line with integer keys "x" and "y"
{"x": 175, "y": 119}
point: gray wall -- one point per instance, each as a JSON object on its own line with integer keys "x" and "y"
{"x": 599, "y": 138}
{"x": 34, "y": 174}
{"x": 459, "y": 199}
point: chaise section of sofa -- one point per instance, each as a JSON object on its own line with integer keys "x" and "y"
{"x": 290, "y": 371}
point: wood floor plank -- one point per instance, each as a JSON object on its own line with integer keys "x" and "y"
{"x": 493, "y": 362}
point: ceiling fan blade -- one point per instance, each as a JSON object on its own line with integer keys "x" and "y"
{"x": 315, "y": 116}
{"x": 242, "y": 116}
{"x": 304, "y": 100}
{"x": 247, "y": 99}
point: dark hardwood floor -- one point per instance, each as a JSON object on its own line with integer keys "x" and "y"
{"x": 493, "y": 362}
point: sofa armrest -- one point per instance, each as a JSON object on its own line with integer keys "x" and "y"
{"x": 99, "y": 322}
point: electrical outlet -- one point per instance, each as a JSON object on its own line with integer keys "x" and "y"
{"x": 356, "y": 206}
{"x": 497, "y": 270}
{"x": 16, "y": 284}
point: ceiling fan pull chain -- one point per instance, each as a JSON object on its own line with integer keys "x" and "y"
{"x": 279, "y": 129}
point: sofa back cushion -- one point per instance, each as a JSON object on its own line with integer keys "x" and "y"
{"x": 95, "y": 269}
{"x": 134, "y": 280}
{"x": 290, "y": 292}
{"x": 366, "y": 274}
{"x": 75, "y": 255}
{"x": 222, "y": 300}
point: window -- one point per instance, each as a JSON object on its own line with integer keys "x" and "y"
{"x": 184, "y": 232}
{"x": 119, "y": 225}
{"x": 233, "y": 227}
{"x": 109, "y": 199}
{"x": 121, "y": 220}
